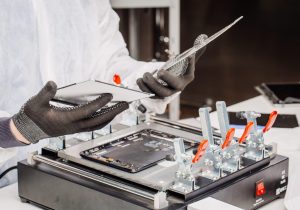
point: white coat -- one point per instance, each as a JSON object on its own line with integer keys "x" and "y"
{"x": 65, "y": 41}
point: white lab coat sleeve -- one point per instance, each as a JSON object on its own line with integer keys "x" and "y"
{"x": 4, "y": 114}
{"x": 130, "y": 69}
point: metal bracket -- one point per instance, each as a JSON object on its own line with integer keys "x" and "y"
{"x": 231, "y": 158}
{"x": 255, "y": 147}
{"x": 206, "y": 125}
{"x": 30, "y": 158}
{"x": 160, "y": 200}
{"x": 223, "y": 118}
{"x": 230, "y": 155}
{"x": 184, "y": 179}
{"x": 210, "y": 166}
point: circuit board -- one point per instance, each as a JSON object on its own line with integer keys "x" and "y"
{"x": 135, "y": 152}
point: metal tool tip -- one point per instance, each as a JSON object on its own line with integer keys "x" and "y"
{"x": 241, "y": 17}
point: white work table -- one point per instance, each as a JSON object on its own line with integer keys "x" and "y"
{"x": 285, "y": 138}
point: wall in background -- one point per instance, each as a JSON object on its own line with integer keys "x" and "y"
{"x": 263, "y": 47}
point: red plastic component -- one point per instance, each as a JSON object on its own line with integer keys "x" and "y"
{"x": 260, "y": 188}
{"x": 229, "y": 137}
{"x": 117, "y": 79}
{"x": 246, "y": 132}
{"x": 201, "y": 150}
{"x": 271, "y": 121}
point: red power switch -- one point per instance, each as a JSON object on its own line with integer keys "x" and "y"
{"x": 260, "y": 188}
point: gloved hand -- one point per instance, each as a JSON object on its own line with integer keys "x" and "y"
{"x": 174, "y": 83}
{"x": 37, "y": 119}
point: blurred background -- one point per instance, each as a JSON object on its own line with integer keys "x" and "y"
{"x": 263, "y": 47}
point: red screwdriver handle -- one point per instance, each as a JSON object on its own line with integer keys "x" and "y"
{"x": 246, "y": 132}
{"x": 271, "y": 121}
{"x": 229, "y": 137}
{"x": 201, "y": 150}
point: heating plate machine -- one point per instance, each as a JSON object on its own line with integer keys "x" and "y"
{"x": 159, "y": 164}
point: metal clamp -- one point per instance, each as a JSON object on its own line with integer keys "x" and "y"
{"x": 230, "y": 153}
{"x": 184, "y": 179}
{"x": 223, "y": 118}
{"x": 210, "y": 164}
{"x": 256, "y": 148}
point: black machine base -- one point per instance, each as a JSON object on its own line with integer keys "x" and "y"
{"x": 51, "y": 188}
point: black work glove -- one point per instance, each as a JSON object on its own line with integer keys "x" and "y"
{"x": 37, "y": 119}
{"x": 174, "y": 83}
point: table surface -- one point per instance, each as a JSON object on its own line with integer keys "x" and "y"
{"x": 9, "y": 195}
